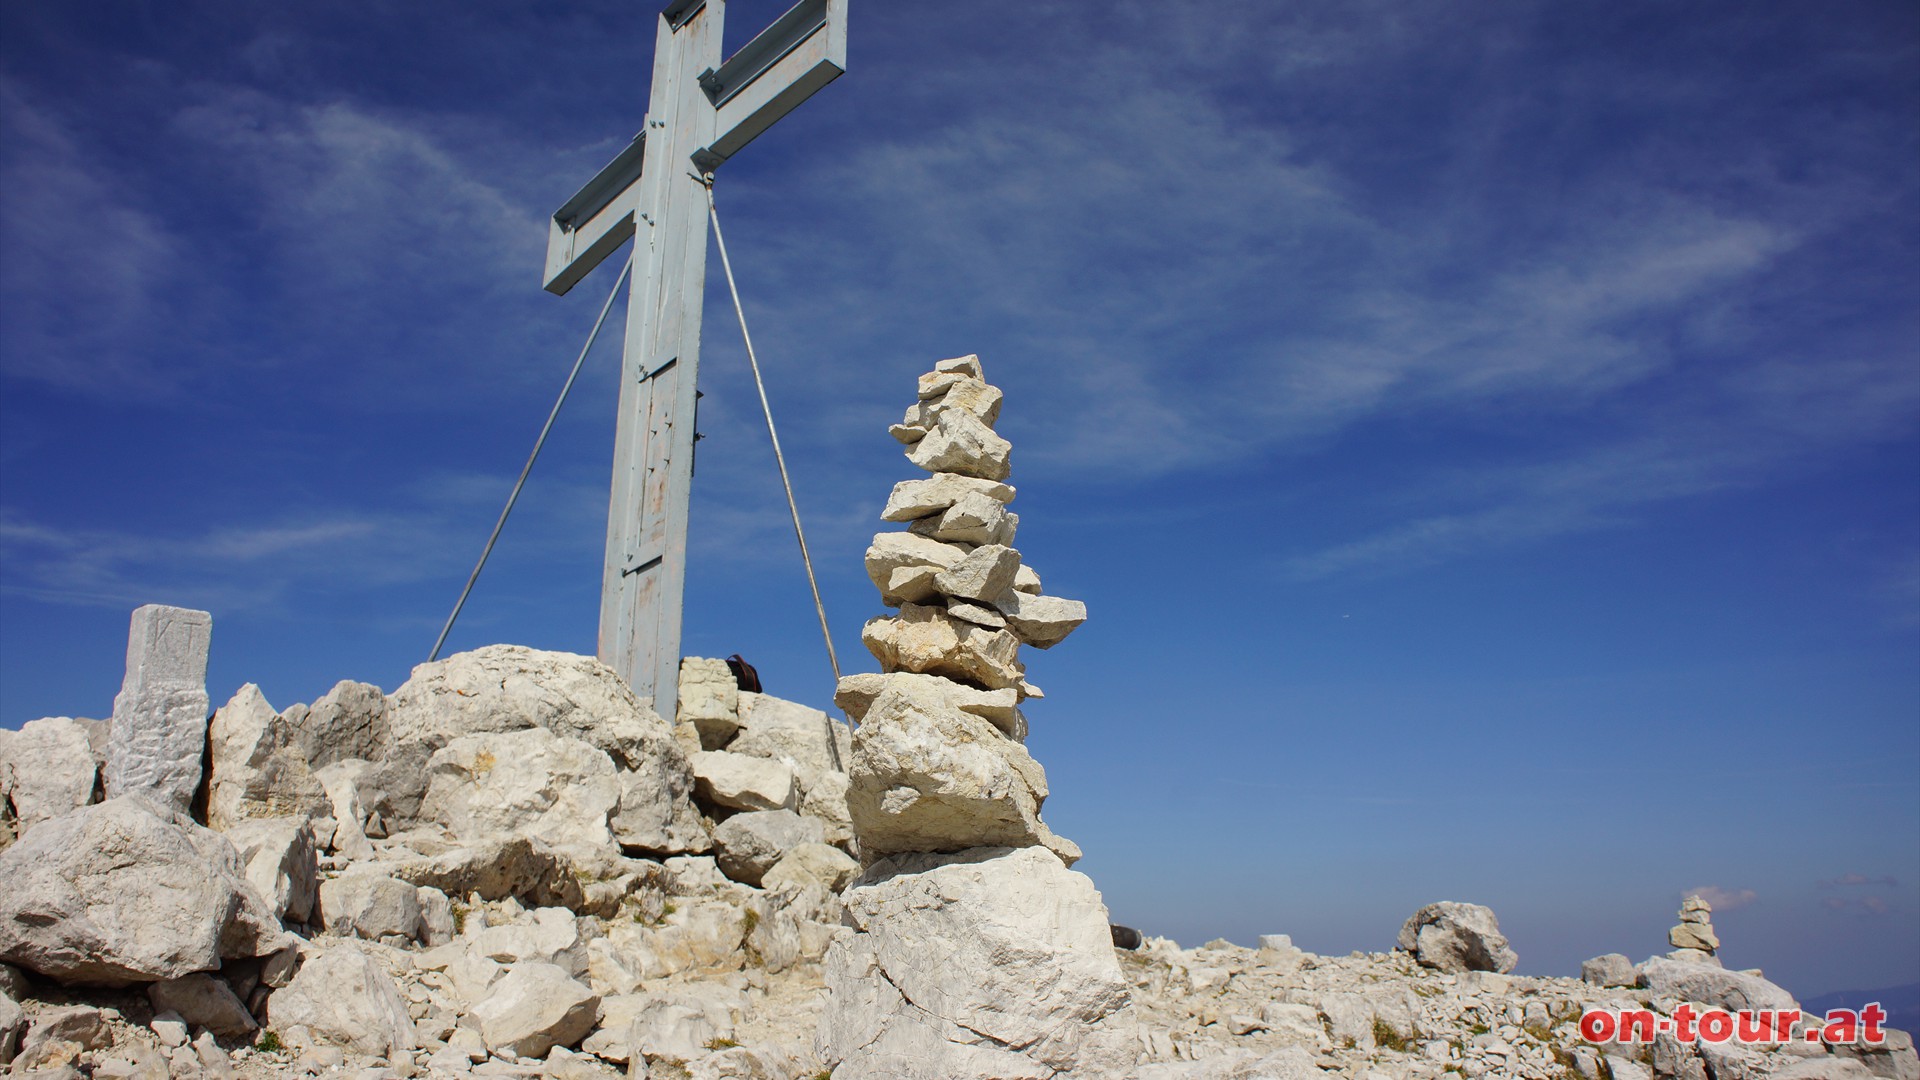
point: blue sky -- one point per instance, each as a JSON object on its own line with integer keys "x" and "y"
{"x": 1485, "y": 435}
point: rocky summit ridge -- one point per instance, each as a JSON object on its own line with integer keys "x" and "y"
{"x": 510, "y": 866}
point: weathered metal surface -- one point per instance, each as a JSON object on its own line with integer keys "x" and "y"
{"x": 700, "y": 113}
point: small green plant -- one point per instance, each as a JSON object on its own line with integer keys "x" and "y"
{"x": 1478, "y": 1029}
{"x": 460, "y": 918}
{"x": 667, "y": 909}
{"x": 721, "y": 1044}
{"x": 268, "y": 1042}
{"x": 752, "y": 919}
{"x": 1384, "y": 1035}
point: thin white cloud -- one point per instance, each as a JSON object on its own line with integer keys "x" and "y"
{"x": 1723, "y": 900}
{"x": 86, "y": 270}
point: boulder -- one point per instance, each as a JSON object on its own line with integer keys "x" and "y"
{"x": 534, "y": 1008}
{"x": 548, "y": 935}
{"x": 989, "y": 962}
{"x": 47, "y": 768}
{"x": 524, "y": 783}
{"x": 1613, "y": 969}
{"x": 811, "y": 864}
{"x": 505, "y": 688}
{"x": 260, "y": 766}
{"x": 370, "y": 906}
{"x": 709, "y": 700}
{"x": 750, "y": 844}
{"x": 675, "y": 1030}
{"x": 925, "y": 639}
{"x": 13, "y": 1025}
{"x": 280, "y": 861}
{"x": 1731, "y": 990}
{"x": 742, "y": 782}
{"x": 59, "y": 1036}
{"x": 1457, "y": 937}
{"x": 343, "y": 995}
{"x": 123, "y": 892}
{"x": 826, "y": 802}
{"x": 803, "y": 738}
{"x": 912, "y": 500}
{"x": 158, "y": 734}
{"x": 203, "y": 1001}
{"x": 656, "y": 814}
{"x": 928, "y": 776}
{"x": 520, "y": 867}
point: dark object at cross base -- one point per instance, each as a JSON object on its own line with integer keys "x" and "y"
{"x": 1125, "y": 937}
{"x": 743, "y": 674}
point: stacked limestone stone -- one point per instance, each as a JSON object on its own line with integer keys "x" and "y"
{"x": 978, "y": 953}
{"x": 1694, "y": 938}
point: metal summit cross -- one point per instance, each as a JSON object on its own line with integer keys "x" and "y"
{"x": 701, "y": 112}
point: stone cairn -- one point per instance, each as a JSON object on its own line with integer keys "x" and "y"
{"x": 1693, "y": 937}
{"x": 978, "y": 952}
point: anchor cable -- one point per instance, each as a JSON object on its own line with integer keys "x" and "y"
{"x": 713, "y": 212}
{"x": 537, "y": 444}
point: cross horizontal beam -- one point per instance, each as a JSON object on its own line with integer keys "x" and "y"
{"x": 784, "y": 65}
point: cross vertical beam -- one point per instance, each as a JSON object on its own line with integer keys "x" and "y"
{"x": 700, "y": 114}
{"x": 644, "y": 576}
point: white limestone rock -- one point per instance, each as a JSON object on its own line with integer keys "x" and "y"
{"x": 803, "y": 738}
{"x": 260, "y": 765}
{"x": 534, "y": 1008}
{"x": 505, "y": 688}
{"x": 47, "y": 768}
{"x": 674, "y": 1030}
{"x": 967, "y": 366}
{"x": 158, "y": 733}
{"x": 1612, "y": 969}
{"x": 924, "y": 639}
{"x": 811, "y": 864}
{"x": 748, "y": 845}
{"x": 975, "y": 396}
{"x": 1694, "y": 935}
{"x": 343, "y": 996}
{"x": 974, "y": 519}
{"x": 371, "y": 906}
{"x": 892, "y": 552}
{"x": 1457, "y": 937}
{"x": 709, "y": 700}
{"x": 656, "y": 815}
{"x": 548, "y": 935}
{"x": 856, "y": 694}
{"x": 826, "y": 802}
{"x": 929, "y": 777}
{"x": 203, "y": 1001}
{"x": 529, "y": 782}
{"x": 280, "y": 861}
{"x": 989, "y": 962}
{"x": 500, "y": 867}
{"x": 123, "y": 892}
{"x": 1040, "y": 621}
{"x": 912, "y": 500}
{"x": 1731, "y": 990}
{"x": 743, "y": 782}
{"x": 960, "y": 442}
{"x": 1027, "y": 580}
{"x": 982, "y": 574}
